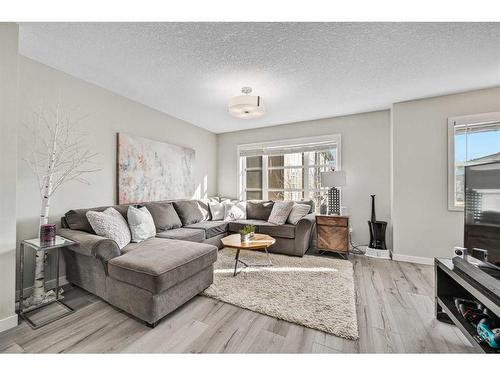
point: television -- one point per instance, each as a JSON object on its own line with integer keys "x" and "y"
{"x": 482, "y": 210}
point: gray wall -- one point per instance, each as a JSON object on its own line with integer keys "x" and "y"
{"x": 365, "y": 158}
{"x": 8, "y": 160}
{"x": 422, "y": 224}
{"x": 108, "y": 114}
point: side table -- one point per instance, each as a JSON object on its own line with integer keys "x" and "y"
{"x": 332, "y": 233}
{"x": 35, "y": 244}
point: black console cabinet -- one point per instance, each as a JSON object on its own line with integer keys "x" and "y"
{"x": 451, "y": 282}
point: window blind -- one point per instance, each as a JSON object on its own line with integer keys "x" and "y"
{"x": 288, "y": 149}
{"x": 479, "y": 128}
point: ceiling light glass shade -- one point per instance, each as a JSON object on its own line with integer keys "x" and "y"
{"x": 246, "y": 106}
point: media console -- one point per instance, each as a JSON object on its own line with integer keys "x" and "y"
{"x": 452, "y": 282}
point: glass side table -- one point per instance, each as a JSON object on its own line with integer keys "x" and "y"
{"x": 35, "y": 244}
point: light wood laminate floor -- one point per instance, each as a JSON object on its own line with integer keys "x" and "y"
{"x": 395, "y": 315}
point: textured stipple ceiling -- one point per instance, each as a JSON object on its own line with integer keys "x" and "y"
{"x": 303, "y": 71}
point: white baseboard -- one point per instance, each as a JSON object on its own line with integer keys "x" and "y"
{"x": 8, "y": 323}
{"x": 412, "y": 259}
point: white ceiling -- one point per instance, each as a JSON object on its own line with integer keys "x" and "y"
{"x": 303, "y": 71}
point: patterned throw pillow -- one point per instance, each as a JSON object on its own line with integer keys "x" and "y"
{"x": 280, "y": 212}
{"x": 110, "y": 224}
{"x": 298, "y": 212}
{"x": 235, "y": 211}
{"x": 141, "y": 223}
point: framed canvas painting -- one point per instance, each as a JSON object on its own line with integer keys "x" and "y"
{"x": 150, "y": 170}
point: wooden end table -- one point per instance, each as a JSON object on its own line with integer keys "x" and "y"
{"x": 258, "y": 242}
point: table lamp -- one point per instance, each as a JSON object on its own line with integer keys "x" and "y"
{"x": 333, "y": 180}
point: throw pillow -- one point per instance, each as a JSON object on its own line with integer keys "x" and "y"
{"x": 110, "y": 224}
{"x": 141, "y": 224}
{"x": 189, "y": 212}
{"x": 164, "y": 215}
{"x": 217, "y": 210}
{"x": 298, "y": 212}
{"x": 235, "y": 211}
{"x": 280, "y": 212}
{"x": 259, "y": 210}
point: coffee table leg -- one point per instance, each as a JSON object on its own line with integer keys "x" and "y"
{"x": 236, "y": 261}
{"x": 268, "y": 257}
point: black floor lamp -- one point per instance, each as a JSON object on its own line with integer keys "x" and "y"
{"x": 333, "y": 180}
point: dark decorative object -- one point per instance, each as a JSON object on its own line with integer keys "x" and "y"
{"x": 334, "y": 201}
{"x": 377, "y": 230}
{"x": 47, "y": 234}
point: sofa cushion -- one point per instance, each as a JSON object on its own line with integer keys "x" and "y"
{"x": 282, "y": 231}
{"x": 158, "y": 264}
{"x": 259, "y": 210}
{"x": 189, "y": 212}
{"x": 185, "y": 234}
{"x": 261, "y": 226}
{"x": 164, "y": 215}
{"x": 216, "y": 210}
{"x": 211, "y": 228}
{"x": 77, "y": 219}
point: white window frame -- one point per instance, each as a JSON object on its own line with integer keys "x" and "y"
{"x": 241, "y": 167}
{"x": 469, "y": 120}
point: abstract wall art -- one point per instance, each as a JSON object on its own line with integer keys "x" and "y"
{"x": 150, "y": 170}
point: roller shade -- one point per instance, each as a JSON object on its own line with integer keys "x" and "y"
{"x": 296, "y": 147}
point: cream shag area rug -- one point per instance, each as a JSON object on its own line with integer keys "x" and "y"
{"x": 312, "y": 291}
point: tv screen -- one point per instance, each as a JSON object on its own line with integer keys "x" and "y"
{"x": 482, "y": 209}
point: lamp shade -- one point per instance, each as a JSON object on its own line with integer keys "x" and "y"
{"x": 333, "y": 179}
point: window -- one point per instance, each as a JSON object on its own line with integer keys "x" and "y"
{"x": 287, "y": 170}
{"x": 471, "y": 139}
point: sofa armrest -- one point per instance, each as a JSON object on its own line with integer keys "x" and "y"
{"x": 304, "y": 230}
{"x": 89, "y": 244}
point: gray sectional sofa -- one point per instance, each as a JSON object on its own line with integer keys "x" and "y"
{"x": 152, "y": 278}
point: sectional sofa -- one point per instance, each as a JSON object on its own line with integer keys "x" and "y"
{"x": 152, "y": 278}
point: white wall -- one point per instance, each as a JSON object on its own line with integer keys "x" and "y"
{"x": 8, "y": 162}
{"x": 422, "y": 224}
{"x": 365, "y": 158}
{"x": 108, "y": 114}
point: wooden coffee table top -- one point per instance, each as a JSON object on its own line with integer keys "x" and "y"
{"x": 259, "y": 241}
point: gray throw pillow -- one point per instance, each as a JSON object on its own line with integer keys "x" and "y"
{"x": 164, "y": 215}
{"x": 141, "y": 224}
{"x": 280, "y": 212}
{"x": 216, "y": 210}
{"x": 298, "y": 212}
{"x": 259, "y": 210}
{"x": 189, "y": 212}
{"x": 110, "y": 224}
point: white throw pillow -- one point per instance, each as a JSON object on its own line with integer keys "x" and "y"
{"x": 280, "y": 212}
{"x": 217, "y": 210}
{"x": 235, "y": 211}
{"x": 299, "y": 210}
{"x": 110, "y": 224}
{"x": 141, "y": 223}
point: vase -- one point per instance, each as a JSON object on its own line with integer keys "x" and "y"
{"x": 247, "y": 237}
{"x": 47, "y": 234}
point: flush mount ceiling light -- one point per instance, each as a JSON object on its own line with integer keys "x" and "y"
{"x": 246, "y": 106}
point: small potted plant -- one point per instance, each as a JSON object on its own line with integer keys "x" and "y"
{"x": 247, "y": 232}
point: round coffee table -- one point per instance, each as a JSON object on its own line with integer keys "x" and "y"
{"x": 258, "y": 242}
